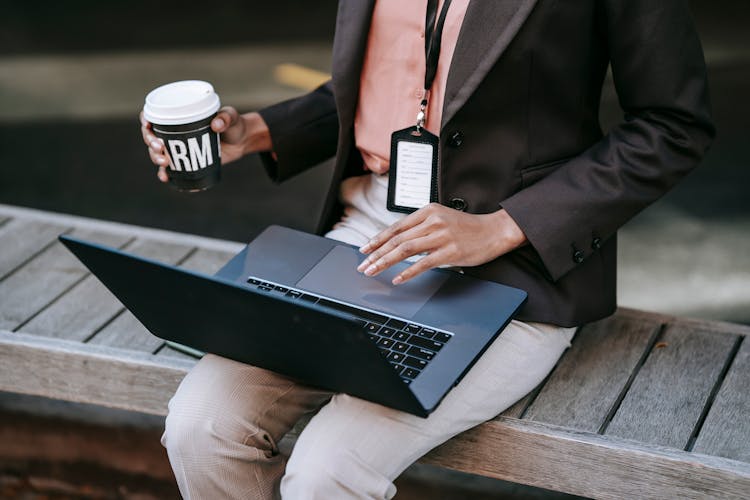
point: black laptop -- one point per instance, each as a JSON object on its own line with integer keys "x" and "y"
{"x": 293, "y": 302}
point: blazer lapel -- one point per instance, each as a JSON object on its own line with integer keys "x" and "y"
{"x": 487, "y": 29}
{"x": 352, "y": 27}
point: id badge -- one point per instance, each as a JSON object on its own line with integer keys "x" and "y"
{"x": 412, "y": 175}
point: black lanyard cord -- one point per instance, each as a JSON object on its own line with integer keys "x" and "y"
{"x": 433, "y": 33}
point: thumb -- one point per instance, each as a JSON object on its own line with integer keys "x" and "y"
{"x": 224, "y": 119}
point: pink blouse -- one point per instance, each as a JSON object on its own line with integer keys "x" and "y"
{"x": 392, "y": 81}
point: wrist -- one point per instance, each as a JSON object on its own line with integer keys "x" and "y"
{"x": 257, "y": 134}
{"x": 509, "y": 235}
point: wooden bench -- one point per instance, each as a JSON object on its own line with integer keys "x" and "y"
{"x": 642, "y": 406}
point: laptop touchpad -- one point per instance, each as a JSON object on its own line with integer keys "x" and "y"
{"x": 336, "y": 276}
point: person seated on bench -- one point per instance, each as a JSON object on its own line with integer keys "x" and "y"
{"x": 531, "y": 194}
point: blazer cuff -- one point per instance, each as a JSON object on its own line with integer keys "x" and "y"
{"x": 560, "y": 253}
{"x": 304, "y": 133}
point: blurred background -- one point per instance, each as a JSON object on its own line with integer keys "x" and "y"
{"x": 73, "y": 76}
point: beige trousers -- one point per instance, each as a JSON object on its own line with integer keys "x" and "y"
{"x": 226, "y": 418}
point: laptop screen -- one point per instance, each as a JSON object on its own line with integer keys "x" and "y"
{"x": 336, "y": 276}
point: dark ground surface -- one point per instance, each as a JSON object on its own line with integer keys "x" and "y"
{"x": 85, "y": 26}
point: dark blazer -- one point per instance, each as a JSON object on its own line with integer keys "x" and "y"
{"x": 520, "y": 130}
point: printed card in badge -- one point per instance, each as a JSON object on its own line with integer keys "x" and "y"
{"x": 412, "y": 182}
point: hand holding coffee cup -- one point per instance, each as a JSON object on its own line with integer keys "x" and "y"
{"x": 228, "y": 123}
{"x": 177, "y": 126}
{"x": 240, "y": 135}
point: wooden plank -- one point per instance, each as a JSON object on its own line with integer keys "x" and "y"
{"x": 72, "y": 371}
{"x": 21, "y": 239}
{"x": 125, "y": 331}
{"x": 33, "y": 286}
{"x": 590, "y": 378}
{"x": 516, "y": 411}
{"x": 726, "y": 431}
{"x": 709, "y": 325}
{"x": 120, "y": 228}
{"x": 169, "y": 352}
{"x": 587, "y": 464}
{"x": 88, "y": 306}
{"x": 667, "y": 397}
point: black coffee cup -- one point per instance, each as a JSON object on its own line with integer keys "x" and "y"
{"x": 180, "y": 114}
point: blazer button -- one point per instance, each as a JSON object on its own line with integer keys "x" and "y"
{"x": 458, "y": 204}
{"x": 596, "y": 243}
{"x": 456, "y": 139}
{"x": 578, "y": 256}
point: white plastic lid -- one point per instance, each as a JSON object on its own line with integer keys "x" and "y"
{"x": 181, "y": 102}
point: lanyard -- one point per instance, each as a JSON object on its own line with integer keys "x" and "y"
{"x": 433, "y": 34}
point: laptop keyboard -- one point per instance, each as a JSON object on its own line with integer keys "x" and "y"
{"x": 409, "y": 347}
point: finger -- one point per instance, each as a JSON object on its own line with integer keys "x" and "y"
{"x": 148, "y": 136}
{"x": 388, "y": 233}
{"x": 146, "y": 133}
{"x": 411, "y": 226}
{"x": 157, "y": 159}
{"x": 387, "y": 246}
{"x": 408, "y": 248}
{"x": 225, "y": 118}
{"x": 151, "y": 140}
{"x": 426, "y": 263}
{"x": 157, "y": 146}
{"x": 162, "y": 174}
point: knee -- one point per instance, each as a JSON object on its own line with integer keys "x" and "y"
{"x": 194, "y": 427}
{"x": 204, "y": 420}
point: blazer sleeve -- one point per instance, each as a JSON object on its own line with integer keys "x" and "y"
{"x": 304, "y": 132}
{"x": 660, "y": 77}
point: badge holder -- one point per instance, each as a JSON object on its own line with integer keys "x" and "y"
{"x": 412, "y": 175}
{"x": 412, "y": 178}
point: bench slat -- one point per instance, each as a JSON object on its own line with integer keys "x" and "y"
{"x": 41, "y": 280}
{"x": 516, "y": 411}
{"x": 89, "y": 305}
{"x": 168, "y": 352}
{"x": 84, "y": 373}
{"x": 21, "y": 239}
{"x": 77, "y": 314}
{"x": 668, "y": 395}
{"x": 726, "y": 431}
{"x": 588, "y": 464}
{"x": 125, "y": 331}
{"x": 591, "y": 376}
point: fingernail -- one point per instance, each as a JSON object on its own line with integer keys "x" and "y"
{"x": 365, "y": 248}
{"x": 161, "y": 160}
{"x": 397, "y": 280}
{"x": 217, "y": 123}
{"x": 156, "y": 145}
{"x": 371, "y": 270}
{"x": 363, "y": 265}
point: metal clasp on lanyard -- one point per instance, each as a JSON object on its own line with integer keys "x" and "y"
{"x": 421, "y": 115}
